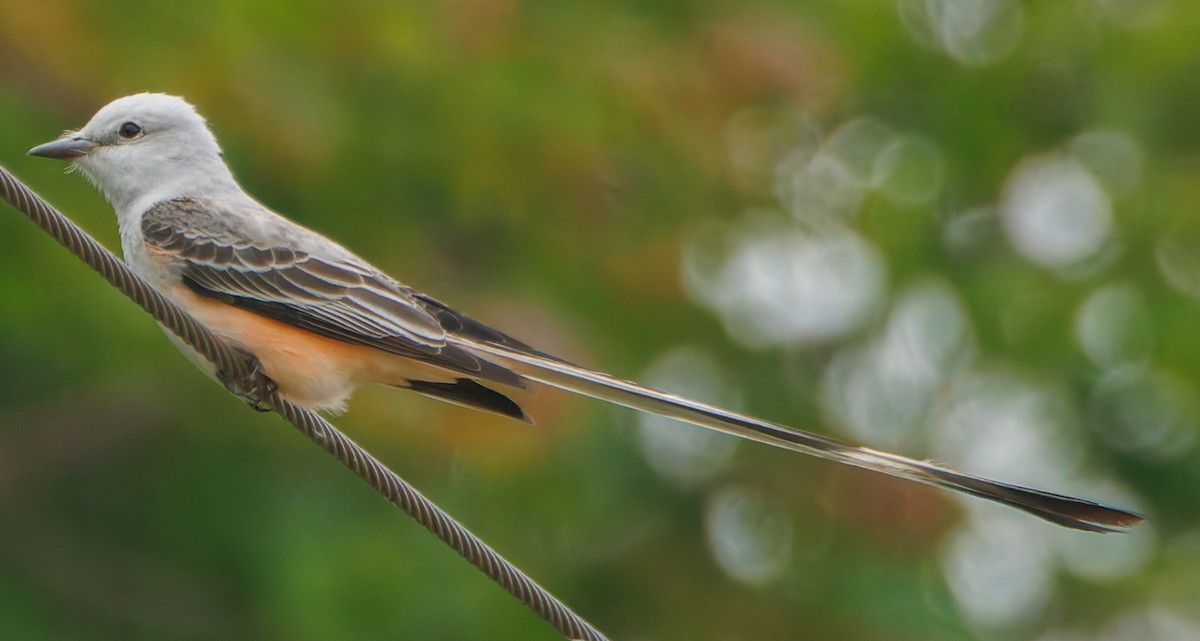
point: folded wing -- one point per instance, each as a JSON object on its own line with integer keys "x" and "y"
{"x": 337, "y": 296}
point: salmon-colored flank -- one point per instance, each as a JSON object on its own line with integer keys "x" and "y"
{"x": 311, "y": 370}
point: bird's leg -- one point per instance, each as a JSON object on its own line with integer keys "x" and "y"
{"x": 255, "y": 389}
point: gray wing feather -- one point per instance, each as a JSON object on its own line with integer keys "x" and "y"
{"x": 336, "y": 294}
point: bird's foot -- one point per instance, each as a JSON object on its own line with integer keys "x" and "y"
{"x": 255, "y": 389}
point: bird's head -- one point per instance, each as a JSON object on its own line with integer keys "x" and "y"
{"x": 143, "y": 145}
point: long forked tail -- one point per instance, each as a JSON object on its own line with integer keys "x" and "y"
{"x": 1068, "y": 511}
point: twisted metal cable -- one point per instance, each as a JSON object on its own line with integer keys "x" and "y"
{"x": 236, "y": 367}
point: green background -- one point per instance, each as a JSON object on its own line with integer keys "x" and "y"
{"x": 579, "y": 174}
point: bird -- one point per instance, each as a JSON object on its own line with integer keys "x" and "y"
{"x": 318, "y": 321}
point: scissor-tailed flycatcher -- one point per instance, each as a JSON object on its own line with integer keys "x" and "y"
{"x": 321, "y": 321}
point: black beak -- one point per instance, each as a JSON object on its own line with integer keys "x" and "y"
{"x": 64, "y": 148}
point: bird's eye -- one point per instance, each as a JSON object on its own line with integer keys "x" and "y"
{"x": 129, "y": 131}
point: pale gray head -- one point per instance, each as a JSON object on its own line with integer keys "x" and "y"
{"x": 144, "y": 148}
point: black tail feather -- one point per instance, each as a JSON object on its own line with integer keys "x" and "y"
{"x": 464, "y": 391}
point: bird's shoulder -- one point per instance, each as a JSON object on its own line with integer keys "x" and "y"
{"x": 193, "y": 227}
{"x": 173, "y": 220}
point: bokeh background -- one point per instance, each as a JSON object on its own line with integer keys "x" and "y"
{"x": 960, "y": 229}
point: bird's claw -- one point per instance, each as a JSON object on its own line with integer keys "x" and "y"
{"x": 255, "y": 389}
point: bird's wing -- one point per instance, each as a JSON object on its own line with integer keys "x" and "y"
{"x": 310, "y": 283}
